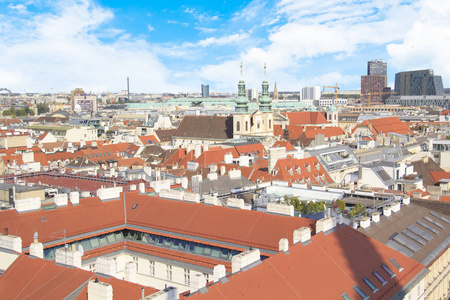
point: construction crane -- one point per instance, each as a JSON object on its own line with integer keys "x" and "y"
{"x": 336, "y": 88}
{"x": 376, "y": 93}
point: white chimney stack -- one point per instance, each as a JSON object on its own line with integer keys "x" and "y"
{"x": 106, "y": 265}
{"x": 99, "y": 290}
{"x": 70, "y": 257}
{"x": 131, "y": 271}
{"x": 219, "y": 272}
{"x": 197, "y": 282}
{"x": 302, "y": 235}
{"x": 244, "y": 259}
{"x": 36, "y": 248}
{"x": 283, "y": 245}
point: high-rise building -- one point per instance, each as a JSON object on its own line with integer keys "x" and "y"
{"x": 252, "y": 94}
{"x": 310, "y": 93}
{"x": 374, "y": 83}
{"x": 420, "y": 82}
{"x": 376, "y": 67}
{"x": 205, "y": 90}
{"x": 75, "y": 92}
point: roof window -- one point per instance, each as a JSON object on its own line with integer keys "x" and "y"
{"x": 360, "y": 292}
{"x": 379, "y": 277}
{"x": 386, "y": 268}
{"x": 396, "y": 264}
{"x": 370, "y": 284}
{"x": 345, "y": 296}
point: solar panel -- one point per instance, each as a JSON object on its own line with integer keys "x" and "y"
{"x": 434, "y": 222}
{"x": 440, "y": 217}
{"x": 420, "y": 232}
{"x": 414, "y": 237}
{"x": 407, "y": 243}
{"x": 423, "y": 224}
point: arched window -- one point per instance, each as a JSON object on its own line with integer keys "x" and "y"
{"x": 270, "y": 124}
{"x": 246, "y": 125}
{"x": 238, "y": 126}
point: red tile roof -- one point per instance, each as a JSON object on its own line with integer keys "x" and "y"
{"x": 256, "y": 148}
{"x": 284, "y": 144}
{"x": 338, "y": 261}
{"x": 444, "y": 198}
{"x": 42, "y": 136}
{"x": 241, "y": 227}
{"x": 305, "y": 118}
{"x": 445, "y": 112}
{"x": 287, "y": 170}
{"x": 35, "y": 278}
{"x": 148, "y": 139}
{"x": 438, "y": 176}
{"x": 385, "y": 125}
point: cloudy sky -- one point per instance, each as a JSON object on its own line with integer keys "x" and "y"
{"x": 165, "y": 46}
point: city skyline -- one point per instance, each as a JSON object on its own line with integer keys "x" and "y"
{"x": 166, "y": 47}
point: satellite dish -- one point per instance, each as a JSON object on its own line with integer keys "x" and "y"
{"x": 80, "y": 249}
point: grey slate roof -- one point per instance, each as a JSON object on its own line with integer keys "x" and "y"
{"x": 206, "y": 127}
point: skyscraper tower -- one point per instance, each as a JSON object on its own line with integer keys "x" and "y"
{"x": 205, "y": 90}
{"x": 376, "y": 67}
{"x": 374, "y": 82}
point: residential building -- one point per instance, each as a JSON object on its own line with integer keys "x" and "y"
{"x": 374, "y": 83}
{"x": 310, "y": 93}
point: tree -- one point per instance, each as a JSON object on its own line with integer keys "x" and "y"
{"x": 42, "y": 108}
{"x": 341, "y": 204}
{"x": 357, "y": 210}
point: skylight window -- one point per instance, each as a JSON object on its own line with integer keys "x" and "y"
{"x": 370, "y": 284}
{"x": 386, "y": 268}
{"x": 345, "y": 296}
{"x": 396, "y": 264}
{"x": 134, "y": 206}
{"x": 360, "y": 292}
{"x": 379, "y": 277}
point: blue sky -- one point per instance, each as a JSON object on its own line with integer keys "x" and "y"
{"x": 169, "y": 46}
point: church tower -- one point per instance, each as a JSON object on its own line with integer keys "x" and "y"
{"x": 275, "y": 93}
{"x": 332, "y": 115}
{"x": 241, "y": 117}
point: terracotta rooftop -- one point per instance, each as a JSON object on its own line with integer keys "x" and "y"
{"x": 339, "y": 260}
{"x": 206, "y": 127}
{"x": 305, "y": 118}
{"x": 35, "y": 278}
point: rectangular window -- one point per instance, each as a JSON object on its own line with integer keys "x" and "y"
{"x": 379, "y": 277}
{"x": 345, "y": 296}
{"x": 396, "y": 264}
{"x": 370, "y": 284}
{"x": 169, "y": 272}
{"x": 386, "y": 268}
{"x": 360, "y": 292}
{"x": 152, "y": 268}
{"x": 187, "y": 277}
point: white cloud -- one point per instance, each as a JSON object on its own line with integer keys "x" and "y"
{"x": 206, "y": 30}
{"x": 150, "y": 27}
{"x": 223, "y": 40}
{"x": 426, "y": 44}
{"x": 60, "y": 50}
{"x": 20, "y": 8}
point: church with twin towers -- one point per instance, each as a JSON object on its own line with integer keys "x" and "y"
{"x": 255, "y": 125}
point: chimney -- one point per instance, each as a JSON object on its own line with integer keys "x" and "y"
{"x": 223, "y": 170}
{"x": 66, "y": 256}
{"x": 365, "y": 222}
{"x": 325, "y": 224}
{"x": 283, "y": 245}
{"x": 105, "y": 265}
{"x": 376, "y": 217}
{"x": 406, "y": 200}
{"x": 141, "y": 188}
{"x": 244, "y": 259}
{"x": 99, "y": 290}
{"x": 11, "y": 242}
{"x": 197, "y": 150}
{"x": 219, "y": 272}
{"x": 302, "y": 235}
{"x": 205, "y": 147}
{"x": 184, "y": 182}
{"x": 36, "y": 248}
{"x": 131, "y": 271}
{"x": 74, "y": 198}
{"x": 197, "y": 282}
{"x": 387, "y": 211}
{"x": 395, "y": 207}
